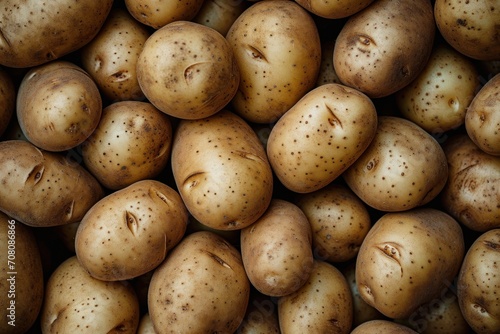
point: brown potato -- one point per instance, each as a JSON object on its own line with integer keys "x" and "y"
{"x": 382, "y": 327}
{"x": 7, "y": 99}
{"x": 334, "y": 9}
{"x": 261, "y": 315}
{"x": 220, "y": 14}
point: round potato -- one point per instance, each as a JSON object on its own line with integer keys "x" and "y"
{"x": 41, "y": 188}
{"x": 129, "y": 232}
{"x": 7, "y": 99}
{"x": 201, "y": 287}
{"x": 188, "y": 70}
{"x": 132, "y": 142}
{"x": 334, "y": 9}
{"x": 36, "y": 32}
{"x": 276, "y": 249}
{"x": 482, "y": 120}
{"x": 407, "y": 259}
{"x": 58, "y": 106}
{"x": 384, "y": 47}
{"x": 75, "y": 302}
{"x": 278, "y": 51}
{"x": 380, "y": 326}
{"x": 404, "y": 167}
{"x": 220, "y": 14}
{"x": 221, "y": 170}
{"x": 317, "y": 139}
{"x": 479, "y": 283}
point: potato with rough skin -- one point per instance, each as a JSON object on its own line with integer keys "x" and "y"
{"x": 8, "y": 94}
{"x": 382, "y": 327}
{"x": 130, "y": 231}
{"x": 334, "y": 9}
{"x": 41, "y": 188}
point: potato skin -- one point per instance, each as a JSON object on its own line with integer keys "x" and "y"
{"x": 41, "y": 188}
{"x": 219, "y": 14}
{"x": 380, "y": 326}
{"x": 334, "y": 9}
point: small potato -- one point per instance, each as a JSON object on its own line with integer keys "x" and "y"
{"x": 334, "y": 9}
{"x": 220, "y": 14}
{"x": 261, "y": 315}
{"x": 479, "y": 283}
{"x": 339, "y": 221}
{"x": 315, "y": 141}
{"x": 7, "y": 99}
{"x": 382, "y": 327}
{"x": 201, "y": 287}
{"x": 132, "y": 142}
{"x": 41, "y": 188}
{"x": 188, "y": 70}
{"x": 322, "y": 305}
{"x": 276, "y": 249}
{"x": 404, "y": 167}
{"x": 146, "y": 325}
{"x": 407, "y": 259}
{"x": 384, "y": 47}
{"x": 129, "y": 232}
{"x": 75, "y": 302}
{"x": 482, "y": 120}
{"x": 471, "y": 193}
{"x": 58, "y": 106}
{"x": 111, "y": 57}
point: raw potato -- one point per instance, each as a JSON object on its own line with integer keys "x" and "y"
{"x": 22, "y": 284}
{"x": 339, "y": 221}
{"x": 261, "y": 315}
{"x": 8, "y": 94}
{"x": 437, "y": 100}
{"x": 36, "y": 32}
{"x": 146, "y": 325}
{"x": 403, "y": 168}
{"x": 221, "y": 170}
{"x": 322, "y": 305}
{"x": 315, "y": 141}
{"x": 201, "y": 287}
{"x": 384, "y": 47}
{"x": 132, "y": 142}
{"x": 111, "y": 57}
{"x": 41, "y": 188}
{"x": 382, "y": 327}
{"x": 334, "y": 9}
{"x": 479, "y": 283}
{"x": 58, "y": 106}
{"x": 75, "y": 302}
{"x": 482, "y": 120}
{"x": 219, "y": 14}
{"x": 188, "y": 70}
{"x": 278, "y": 51}
{"x": 129, "y": 232}
{"x": 407, "y": 259}
{"x": 471, "y": 27}
{"x": 277, "y": 249}
{"x": 471, "y": 193}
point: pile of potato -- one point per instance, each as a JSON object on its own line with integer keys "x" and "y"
{"x": 232, "y": 166}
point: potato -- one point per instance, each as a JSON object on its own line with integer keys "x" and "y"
{"x": 111, "y": 57}
{"x": 41, "y": 188}
{"x": 322, "y": 305}
{"x": 261, "y": 315}
{"x": 403, "y": 168}
{"x": 58, "y": 106}
{"x": 482, "y": 120}
{"x": 437, "y": 100}
{"x": 407, "y": 259}
{"x": 132, "y": 142}
{"x": 278, "y": 51}
{"x": 334, "y": 9}
{"x": 22, "y": 284}
{"x": 315, "y": 141}
{"x": 221, "y": 170}
{"x": 8, "y": 94}
{"x": 382, "y": 327}
{"x": 35, "y": 32}
{"x": 201, "y": 287}
{"x": 146, "y": 325}
{"x": 339, "y": 222}
{"x": 471, "y": 27}
{"x": 130, "y": 231}
{"x": 478, "y": 283}
{"x": 384, "y": 47}
{"x": 471, "y": 193}
{"x": 75, "y": 302}
{"x": 219, "y": 14}
{"x": 188, "y": 70}
{"x": 277, "y": 249}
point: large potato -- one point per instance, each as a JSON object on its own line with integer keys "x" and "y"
{"x": 317, "y": 139}
{"x": 41, "y": 188}
{"x": 35, "y": 32}
{"x": 188, "y": 70}
{"x": 278, "y": 51}
{"x": 380, "y": 326}
{"x": 129, "y": 232}
{"x": 407, "y": 259}
{"x": 383, "y": 47}
{"x": 334, "y": 9}
{"x": 404, "y": 167}
{"x": 201, "y": 287}
{"x": 221, "y": 170}
{"x": 277, "y": 249}
{"x": 75, "y": 302}
{"x": 8, "y": 94}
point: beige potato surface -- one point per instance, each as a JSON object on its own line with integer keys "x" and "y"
{"x": 220, "y": 14}
{"x": 382, "y": 327}
{"x": 261, "y": 315}
{"x": 334, "y": 9}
